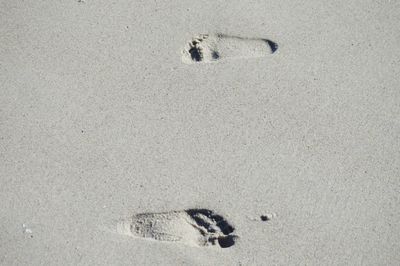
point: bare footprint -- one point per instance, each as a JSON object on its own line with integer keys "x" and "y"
{"x": 195, "y": 227}
{"x": 207, "y": 48}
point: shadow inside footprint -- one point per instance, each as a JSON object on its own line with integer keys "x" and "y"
{"x": 273, "y": 45}
{"x": 215, "y": 55}
{"x": 227, "y": 241}
{"x": 209, "y": 220}
{"x": 195, "y": 54}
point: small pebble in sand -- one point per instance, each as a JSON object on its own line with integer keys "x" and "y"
{"x": 267, "y": 217}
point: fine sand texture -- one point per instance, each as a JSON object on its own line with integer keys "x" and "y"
{"x": 199, "y": 132}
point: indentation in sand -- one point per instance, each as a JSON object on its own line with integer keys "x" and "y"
{"x": 196, "y": 227}
{"x": 206, "y": 48}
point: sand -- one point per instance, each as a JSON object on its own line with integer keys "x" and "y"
{"x": 103, "y": 116}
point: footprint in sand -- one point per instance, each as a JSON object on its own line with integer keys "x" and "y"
{"x": 206, "y": 48}
{"x": 195, "y": 227}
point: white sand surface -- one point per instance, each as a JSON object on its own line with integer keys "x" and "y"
{"x": 100, "y": 119}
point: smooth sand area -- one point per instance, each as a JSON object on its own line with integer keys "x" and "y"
{"x": 199, "y": 132}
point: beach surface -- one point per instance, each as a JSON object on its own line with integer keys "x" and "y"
{"x": 199, "y": 132}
